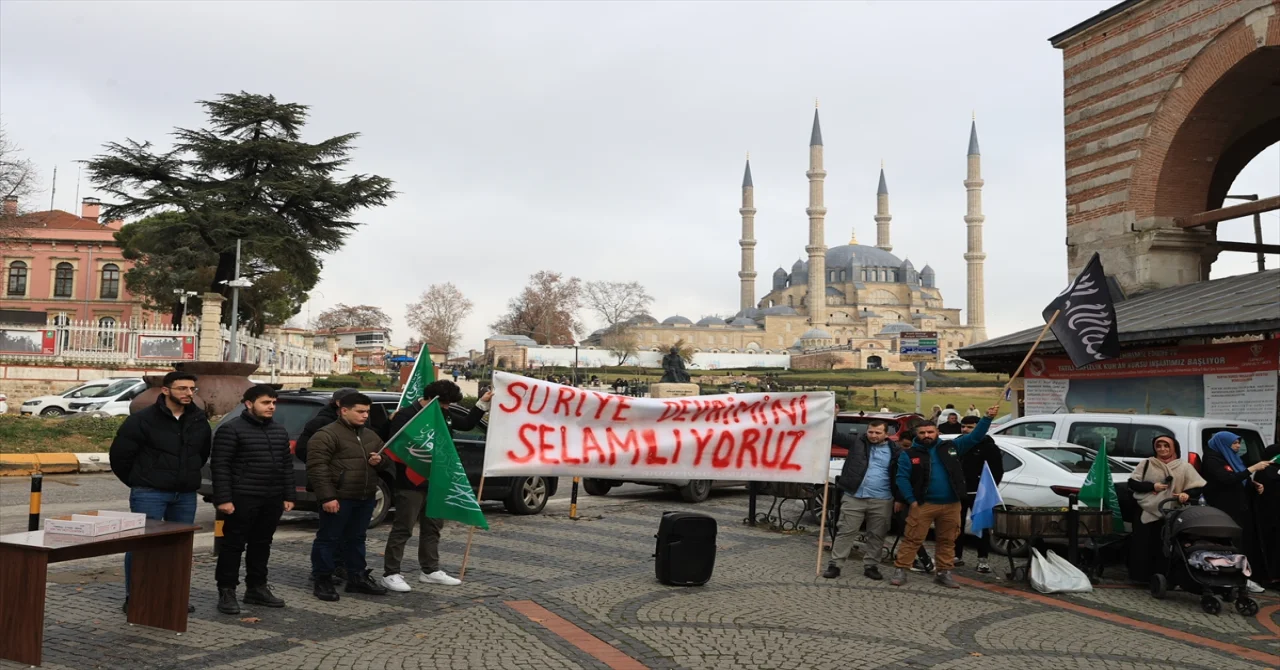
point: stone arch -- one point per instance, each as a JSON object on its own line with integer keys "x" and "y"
{"x": 1224, "y": 105}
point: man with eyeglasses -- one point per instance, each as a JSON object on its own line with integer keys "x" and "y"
{"x": 158, "y": 453}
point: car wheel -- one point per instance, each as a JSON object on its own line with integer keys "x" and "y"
{"x": 52, "y": 412}
{"x": 696, "y": 490}
{"x": 1010, "y": 547}
{"x": 595, "y": 487}
{"x": 528, "y": 496}
{"x": 381, "y": 503}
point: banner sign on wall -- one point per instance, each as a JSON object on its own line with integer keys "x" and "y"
{"x": 541, "y": 428}
{"x": 1225, "y": 381}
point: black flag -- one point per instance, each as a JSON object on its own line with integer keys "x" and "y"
{"x": 1086, "y": 323}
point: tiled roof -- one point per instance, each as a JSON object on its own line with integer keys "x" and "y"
{"x": 60, "y": 220}
{"x": 1238, "y": 305}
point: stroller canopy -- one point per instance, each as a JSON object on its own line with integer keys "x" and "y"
{"x": 1205, "y": 521}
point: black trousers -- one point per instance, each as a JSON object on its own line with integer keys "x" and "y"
{"x": 249, "y": 532}
{"x": 984, "y": 542}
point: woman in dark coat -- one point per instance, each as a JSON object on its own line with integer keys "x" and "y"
{"x": 1231, "y": 489}
{"x": 1268, "y": 510}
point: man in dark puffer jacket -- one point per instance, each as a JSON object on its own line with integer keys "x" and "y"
{"x": 158, "y": 453}
{"x": 253, "y": 485}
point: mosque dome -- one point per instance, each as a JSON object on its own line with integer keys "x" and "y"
{"x": 710, "y": 321}
{"x": 895, "y": 328}
{"x": 778, "y": 310}
{"x": 676, "y": 321}
{"x": 846, "y": 255}
{"x": 642, "y": 320}
{"x": 742, "y": 321}
{"x": 815, "y": 334}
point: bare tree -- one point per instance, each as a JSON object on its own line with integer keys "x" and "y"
{"x": 621, "y": 342}
{"x": 616, "y": 301}
{"x": 17, "y": 180}
{"x": 827, "y": 361}
{"x": 352, "y": 316}
{"x": 546, "y": 310}
{"x": 438, "y": 315}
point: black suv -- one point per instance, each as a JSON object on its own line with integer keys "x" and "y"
{"x": 520, "y": 495}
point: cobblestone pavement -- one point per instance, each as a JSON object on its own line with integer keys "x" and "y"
{"x": 764, "y": 608}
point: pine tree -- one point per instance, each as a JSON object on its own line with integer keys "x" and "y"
{"x": 247, "y": 176}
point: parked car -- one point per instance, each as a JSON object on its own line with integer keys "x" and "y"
{"x": 1041, "y": 473}
{"x": 854, "y": 424}
{"x": 1128, "y": 436}
{"x": 691, "y": 490}
{"x": 114, "y": 400}
{"x": 4, "y": 403}
{"x": 520, "y": 495}
{"x": 57, "y": 405}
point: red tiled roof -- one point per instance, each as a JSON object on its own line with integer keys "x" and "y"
{"x": 60, "y": 220}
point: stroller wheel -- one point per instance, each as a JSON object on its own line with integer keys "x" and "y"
{"x": 1019, "y": 574}
{"x": 1247, "y": 607}
{"x": 1159, "y": 587}
{"x": 1211, "y": 605}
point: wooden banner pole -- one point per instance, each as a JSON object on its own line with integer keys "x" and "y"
{"x": 471, "y": 530}
{"x": 1026, "y": 358}
{"x": 822, "y": 523}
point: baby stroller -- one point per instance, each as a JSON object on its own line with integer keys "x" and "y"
{"x": 1202, "y": 559}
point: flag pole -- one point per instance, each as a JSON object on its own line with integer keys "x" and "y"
{"x": 822, "y": 523}
{"x": 1048, "y": 324}
{"x": 471, "y": 530}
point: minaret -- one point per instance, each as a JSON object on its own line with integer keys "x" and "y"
{"x": 817, "y": 247}
{"x": 882, "y": 213}
{"x": 973, "y": 218}
{"x": 748, "y": 241}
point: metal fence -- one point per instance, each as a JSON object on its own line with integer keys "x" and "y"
{"x": 273, "y": 357}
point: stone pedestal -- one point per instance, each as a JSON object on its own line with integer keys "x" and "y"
{"x": 210, "y": 328}
{"x": 671, "y": 390}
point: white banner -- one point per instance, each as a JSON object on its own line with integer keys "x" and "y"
{"x": 541, "y": 428}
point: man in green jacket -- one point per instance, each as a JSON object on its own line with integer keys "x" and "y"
{"x": 342, "y": 462}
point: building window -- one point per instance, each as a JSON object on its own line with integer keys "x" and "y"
{"x": 368, "y": 339}
{"x": 17, "y": 278}
{"x": 843, "y": 275}
{"x": 831, "y": 276}
{"x": 63, "y": 280}
{"x": 107, "y": 332}
{"x": 110, "y": 281}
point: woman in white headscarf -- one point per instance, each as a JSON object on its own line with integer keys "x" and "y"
{"x": 1155, "y": 480}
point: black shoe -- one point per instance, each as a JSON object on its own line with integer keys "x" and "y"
{"x": 921, "y": 565}
{"x": 959, "y": 563}
{"x": 872, "y": 572}
{"x": 339, "y": 574}
{"x": 324, "y": 590}
{"x": 261, "y": 595}
{"x": 832, "y": 571}
{"x": 366, "y": 584}
{"x": 227, "y": 600}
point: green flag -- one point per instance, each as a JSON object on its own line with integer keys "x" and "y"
{"x": 1100, "y": 491}
{"x": 423, "y": 373}
{"x": 449, "y": 495}
{"x": 412, "y": 446}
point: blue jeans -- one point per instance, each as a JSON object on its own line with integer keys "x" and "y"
{"x": 345, "y": 530}
{"x": 159, "y": 506}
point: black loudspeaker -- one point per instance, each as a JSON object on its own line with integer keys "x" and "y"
{"x": 686, "y": 552}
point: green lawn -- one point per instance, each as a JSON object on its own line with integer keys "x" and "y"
{"x": 31, "y": 435}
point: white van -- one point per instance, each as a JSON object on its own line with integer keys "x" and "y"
{"x": 1128, "y": 436}
{"x": 113, "y": 400}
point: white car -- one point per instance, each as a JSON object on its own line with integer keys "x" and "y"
{"x": 1038, "y": 473}
{"x": 4, "y": 404}
{"x": 57, "y": 405}
{"x": 111, "y": 401}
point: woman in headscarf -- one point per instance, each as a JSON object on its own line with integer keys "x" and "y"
{"x": 1155, "y": 480}
{"x": 1230, "y": 488}
{"x": 1268, "y": 510}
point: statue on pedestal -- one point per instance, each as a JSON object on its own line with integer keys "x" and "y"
{"x": 673, "y": 368}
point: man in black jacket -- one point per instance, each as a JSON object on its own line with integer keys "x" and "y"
{"x": 986, "y": 453}
{"x": 327, "y": 415}
{"x": 867, "y": 494}
{"x": 253, "y": 485}
{"x": 411, "y": 499}
{"x": 158, "y": 453}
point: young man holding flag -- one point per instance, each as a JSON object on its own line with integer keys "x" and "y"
{"x": 411, "y": 484}
{"x": 986, "y": 456}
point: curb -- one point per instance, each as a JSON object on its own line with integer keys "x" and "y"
{"x": 23, "y": 465}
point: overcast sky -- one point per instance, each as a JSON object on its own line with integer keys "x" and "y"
{"x": 603, "y": 140}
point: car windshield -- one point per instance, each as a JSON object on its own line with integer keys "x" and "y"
{"x": 95, "y": 391}
{"x": 115, "y": 389}
{"x": 292, "y": 415}
{"x": 1077, "y": 459}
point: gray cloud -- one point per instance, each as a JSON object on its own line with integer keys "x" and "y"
{"x": 603, "y": 140}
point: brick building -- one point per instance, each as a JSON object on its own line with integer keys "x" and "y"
{"x": 67, "y": 265}
{"x": 1165, "y": 102}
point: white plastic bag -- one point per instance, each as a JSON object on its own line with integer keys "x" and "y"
{"x": 1056, "y": 574}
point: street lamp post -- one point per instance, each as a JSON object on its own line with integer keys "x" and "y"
{"x": 236, "y": 284}
{"x": 183, "y": 296}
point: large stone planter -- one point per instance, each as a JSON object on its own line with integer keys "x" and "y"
{"x": 221, "y": 385}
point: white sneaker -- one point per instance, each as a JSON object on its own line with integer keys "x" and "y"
{"x": 438, "y": 577}
{"x": 396, "y": 583}
{"x": 1253, "y": 587}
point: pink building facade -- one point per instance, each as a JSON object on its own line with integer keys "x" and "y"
{"x": 68, "y": 266}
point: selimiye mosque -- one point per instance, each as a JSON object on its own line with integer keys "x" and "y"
{"x": 852, "y": 299}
